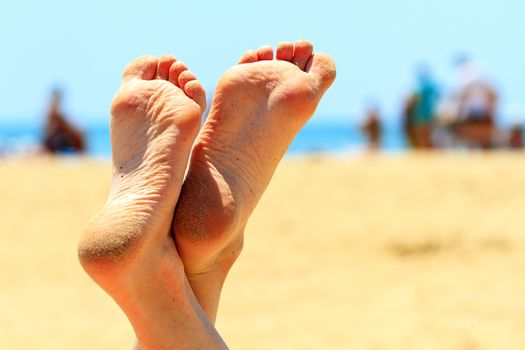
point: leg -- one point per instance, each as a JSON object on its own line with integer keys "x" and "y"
{"x": 424, "y": 136}
{"x": 258, "y": 108}
{"x": 127, "y": 248}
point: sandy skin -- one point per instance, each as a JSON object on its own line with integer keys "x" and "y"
{"x": 127, "y": 248}
{"x": 258, "y": 108}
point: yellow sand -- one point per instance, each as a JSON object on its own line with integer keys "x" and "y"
{"x": 388, "y": 252}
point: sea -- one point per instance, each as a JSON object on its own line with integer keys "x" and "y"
{"x": 326, "y": 135}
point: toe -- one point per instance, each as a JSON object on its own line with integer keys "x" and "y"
{"x": 303, "y": 49}
{"x": 265, "y": 53}
{"x": 248, "y": 57}
{"x": 284, "y": 51}
{"x": 144, "y": 67}
{"x": 186, "y": 77}
{"x": 322, "y": 67}
{"x": 195, "y": 91}
{"x": 175, "y": 70}
{"x": 163, "y": 66}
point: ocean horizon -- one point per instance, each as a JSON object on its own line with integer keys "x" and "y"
{"x": 320, "y": 135}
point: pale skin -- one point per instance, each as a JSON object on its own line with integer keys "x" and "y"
{"x": 258, "y": 107}
{"x": 127, "y": 248}
{"x": 163, "y": 253}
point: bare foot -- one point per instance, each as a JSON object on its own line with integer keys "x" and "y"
{"x": 258, "y": 108}
{"x": 127, "y": 248}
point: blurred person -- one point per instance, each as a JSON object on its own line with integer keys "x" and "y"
{"x": 166, "y": 238}
{"x": 477, "y": 101}
{"x": 60, "y": 135}
{"x": 427, "y": 95}
{"x": 515, "y": 138}
{"x": 372, "y": 128}
{"x": 409, "y": 117}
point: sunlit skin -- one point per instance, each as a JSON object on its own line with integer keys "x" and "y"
{"x": 162, "y": 249}
{"x": 258, "y": 107}
{"x": 128, "y": 248}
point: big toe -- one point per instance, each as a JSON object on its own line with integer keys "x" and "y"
{"x": 322, "y": 68}
{"x": 144, "y": 67}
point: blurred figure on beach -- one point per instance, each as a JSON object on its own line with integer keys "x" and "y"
{"x": 372, "y": 128}
{"x": 60, "y": 135}
{"x": 515, "y": 137}
{"x": 409, "y": 117}
{"x": 419, "y": 111}
{"x": 473, "y": 107}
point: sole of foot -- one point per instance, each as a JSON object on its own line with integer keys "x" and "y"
{"x": 258, "y": 107}
{"x": 127, "y": 248}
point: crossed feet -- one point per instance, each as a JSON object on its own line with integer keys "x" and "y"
{"x": 163, "y": 243}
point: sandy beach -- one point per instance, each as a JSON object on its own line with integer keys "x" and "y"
{"x": 366, "y": 252}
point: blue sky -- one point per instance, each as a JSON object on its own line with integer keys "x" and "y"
{"x": 83, "y": 46}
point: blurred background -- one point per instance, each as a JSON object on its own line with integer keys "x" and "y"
{"x": 373, "y": 245}
{"x": 387, "y": 54}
